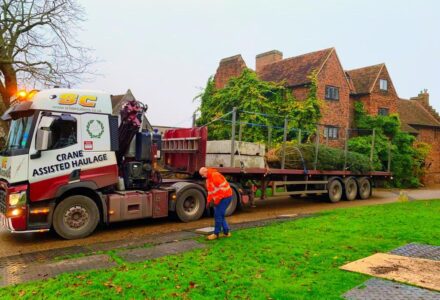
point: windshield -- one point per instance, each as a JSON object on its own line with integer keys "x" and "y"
{"x": 19, "y": 134}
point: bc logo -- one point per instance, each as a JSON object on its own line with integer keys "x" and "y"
{"x": 71, "y": 99}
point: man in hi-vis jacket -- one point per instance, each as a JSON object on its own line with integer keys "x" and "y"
{"x": 219, "y": 193}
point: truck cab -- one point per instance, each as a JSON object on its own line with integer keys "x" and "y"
{"x": 60, "y": 141}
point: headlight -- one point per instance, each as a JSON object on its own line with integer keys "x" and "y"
{"x": 17, "y": 198}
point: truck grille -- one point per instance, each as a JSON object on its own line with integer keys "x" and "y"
{"x": 2, "y": 202}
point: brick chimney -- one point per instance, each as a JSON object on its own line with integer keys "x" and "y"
{"x": 228, "y": 67}
{"x": 267, "y": 58}
{"x": 423, "y": 99}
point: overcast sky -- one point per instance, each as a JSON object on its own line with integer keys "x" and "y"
{"x": 165, "y": 51}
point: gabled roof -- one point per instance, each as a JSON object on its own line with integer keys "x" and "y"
{"x": 363, "y": 79}
{"x": 295, "y": 70}
{"x": 413, "y": 113}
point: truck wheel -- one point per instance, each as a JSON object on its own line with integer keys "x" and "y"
{"x": 364, "y": 188}
{"x": 351, "y": 189}
{"x": 334, "y": 190}
{"x": 76, "y": 217}
{"x": 190, "y": 205}
{"x": 233, "y": 205}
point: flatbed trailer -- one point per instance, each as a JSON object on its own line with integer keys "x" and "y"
{"x": 185, "y": 151}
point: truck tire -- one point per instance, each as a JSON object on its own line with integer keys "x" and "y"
{"x": 364, "y": 188}
{"x": 334, "y": 188}
{"x": 350, "y": 189}
{"x": 76, "y": 217}
{"x": 233, "y": 205}
{"x": 190, "y": 205}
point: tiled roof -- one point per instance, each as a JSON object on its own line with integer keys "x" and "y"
{"x": 407, "y": 128}
{"x": 295, "y": 70}
{"x": 413, "y": 113}
{"x": 363, "y": 79}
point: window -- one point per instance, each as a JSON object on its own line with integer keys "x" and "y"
{"x": 63, "y": 132}
{"x": 331, "y": 92}
{"x": 19, "y": 133}
{"x": 383, "y": 85}
{"x": 383, "y": 111}
{"x": 331, "y": 132}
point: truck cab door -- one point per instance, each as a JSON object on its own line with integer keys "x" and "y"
{"x": 56, "y": 136}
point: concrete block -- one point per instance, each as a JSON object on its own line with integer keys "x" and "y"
{"x": 224, "y": 160}
{"x": 244, "y": 148}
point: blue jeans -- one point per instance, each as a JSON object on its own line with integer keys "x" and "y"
{"x": 219, "y": 216}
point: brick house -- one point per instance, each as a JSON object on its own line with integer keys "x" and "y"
{"x": 374, "y": 88}
{"x": 339, "y": 90}
{"x": 333, "y": 86}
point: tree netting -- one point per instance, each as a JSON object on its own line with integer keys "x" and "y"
{"x": 298, "y": 156}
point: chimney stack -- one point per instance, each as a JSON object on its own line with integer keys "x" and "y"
{"x": 267, "y": 58}
{"x": 422, "y": 97}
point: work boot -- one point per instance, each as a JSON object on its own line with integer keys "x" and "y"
{"x": 212, "y": 237}
{"x": 226, "y": 234}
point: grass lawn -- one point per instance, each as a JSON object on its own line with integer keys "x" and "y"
{"x": 291, "y": 260}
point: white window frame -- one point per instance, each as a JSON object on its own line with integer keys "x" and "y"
{"x": 383, "y": 84}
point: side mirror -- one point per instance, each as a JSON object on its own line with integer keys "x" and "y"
{"x": 43, "y": 140}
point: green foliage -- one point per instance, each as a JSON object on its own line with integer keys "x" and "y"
{"x": 272, "y": 101}
{"x": 407, "y": 156}
{"x": 298, "y": 259}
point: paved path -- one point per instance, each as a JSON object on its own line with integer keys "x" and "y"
{"x": 27, "y": 243}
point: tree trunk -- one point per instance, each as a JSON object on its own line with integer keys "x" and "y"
{"x": 10, "y": 86}
{"x": 7, "y": 90}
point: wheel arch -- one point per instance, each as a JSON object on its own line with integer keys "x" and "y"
{"x": 86, "y": 190}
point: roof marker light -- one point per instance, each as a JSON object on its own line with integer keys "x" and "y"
{"x": 21, "y": 94}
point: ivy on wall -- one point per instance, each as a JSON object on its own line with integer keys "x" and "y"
{"x": 271, "y": 103}
{"x": 407, "y": 155}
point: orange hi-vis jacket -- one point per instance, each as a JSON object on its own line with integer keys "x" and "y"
{"x": 217, "y": 186}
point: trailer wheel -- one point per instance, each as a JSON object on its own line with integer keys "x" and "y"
{"x": 334, "y": 190}
{"x": 233, "y": 205}
{"x": 76, "y": 217}
{"x": 190, "y": 205}
{"x": 350, "y": 188}
{"x": 364, "y": 188}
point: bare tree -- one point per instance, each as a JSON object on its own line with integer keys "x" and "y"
{"x": 38, "y": 45}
